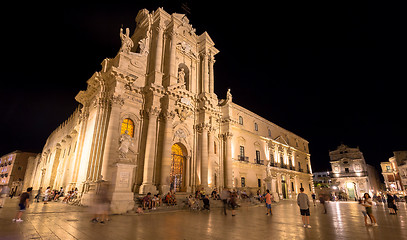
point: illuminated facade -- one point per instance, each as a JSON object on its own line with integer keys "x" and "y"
{"x": 13, "y": 167}
{"x": 351, "y": 174}
{"x": 150, "y": 121}
{"x": 395, "y": 172}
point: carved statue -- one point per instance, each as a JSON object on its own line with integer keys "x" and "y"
{"x": 127, "y": 43}
{"x": 125, "y": 144}
{"x": 181, "y": 76}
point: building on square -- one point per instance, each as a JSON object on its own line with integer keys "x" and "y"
{"x": 351, "y": 174}
{"x": 150, "y": 121}
{"x": 13, "y": 167}
{"x": 395, "y": 173}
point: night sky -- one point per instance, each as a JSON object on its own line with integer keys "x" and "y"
{"x": 331, "y": 74}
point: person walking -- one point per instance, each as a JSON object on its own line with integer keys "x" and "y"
{"x": 224, "y": 197}
{"x": 23, "y": 204}
{"x": 314, "y": 198}
{"x": 268, "y": 203}
{"x": 322, "y": 201}
{"x": 37, "y": 197}
{"x": 303, "y": 203}
{"x": 233, "y": 203}
{"x": 367, "y": 203}
{"x": 4, "y": 192}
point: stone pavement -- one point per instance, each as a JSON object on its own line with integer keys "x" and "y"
{"x": 343, "y": 221}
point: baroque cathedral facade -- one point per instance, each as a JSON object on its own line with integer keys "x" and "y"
{"x": 150, "y": 121}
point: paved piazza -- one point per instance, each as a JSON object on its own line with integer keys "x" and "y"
{"x": 343, "y": 221}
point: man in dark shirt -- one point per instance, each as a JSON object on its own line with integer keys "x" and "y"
{"x": 23, "y": 204}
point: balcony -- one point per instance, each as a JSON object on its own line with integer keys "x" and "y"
{"x": 242, "y": 158}
{"x": 258, "y": 161}
{"x": 349, "y": 174}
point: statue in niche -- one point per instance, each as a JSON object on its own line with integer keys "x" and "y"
{"x": 181, "y": 75}
{"x": 125, "y": 143}
{"x": 127, "y": 43}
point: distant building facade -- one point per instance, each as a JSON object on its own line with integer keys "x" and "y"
{"x": 351, "y": 174}
{"x": 395, "y": 172}
{"x": 150, "y": 121}
{"x": 13, "y": 167}
{"x": 322, "y": 179}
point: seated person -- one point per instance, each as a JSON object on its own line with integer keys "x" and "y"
{"x": 147, "y": 201}
{"x": 155, "y": 201}
{"x": 206, "y": 202}
{"x": 191, "y": 201}
{"x": 214, "y": 194}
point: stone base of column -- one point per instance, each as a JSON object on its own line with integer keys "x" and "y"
{"x": 164, "y": 189}
{"x": 122, "y": 202}
{"x": 148, "y": 188}
{"x": 122, "y": 197}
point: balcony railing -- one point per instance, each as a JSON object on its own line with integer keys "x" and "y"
{"x": 349, "y": 174}
{"x": 242, "y": 158}
{"x": 258, "y": 161}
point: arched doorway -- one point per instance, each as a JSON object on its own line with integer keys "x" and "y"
{"x": 177, "y": 174}
{"x": 351, "y": 190}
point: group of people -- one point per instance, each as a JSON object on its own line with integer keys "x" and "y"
{"x": 151, "y": 202}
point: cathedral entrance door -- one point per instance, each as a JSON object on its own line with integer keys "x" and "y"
{"x": 177, "y": 177}
{"x": 351, "y": 190}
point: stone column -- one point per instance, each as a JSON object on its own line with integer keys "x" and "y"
{"x": 112, "y": 137}
{"x": 228, "y": 160}
{"x": 205, "y": 80}
{"x": 158, "y": 55}
{"x": 204, "y": 155}
{"x": 211, "y": 74}
{"x": 149, "y": 157}
{"x": 166, "y": 153}
{"x": 211, "y": 182}
{"x": 172, "y": 71}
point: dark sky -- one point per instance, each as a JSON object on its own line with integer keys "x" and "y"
{"x": 329, "y": 73}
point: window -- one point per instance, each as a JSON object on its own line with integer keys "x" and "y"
{"x": 292, "y": 186}
{"x": 301, "y": 185}
{"x": 257, "y": 155}
{"x": 299, "y": 165}
{"x": 240, "y": 120}
{"x": 347, "y": 170}
{"x": 256, "y": 127}
{"x": 388, "y": 168}
{"x": 242, "y": 151}
{"x": 271, "y": 158}
{"x": 309, "y": 185}
{"x": 127, "y": 125}
{"x": 214, "y": 148}
{"x": 269, "y": 132}
{"x": 243, "y": 182}
{"x": 259, "y": 182}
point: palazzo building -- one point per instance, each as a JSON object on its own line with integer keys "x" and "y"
{"x": 149, "y": 121}
{"x": 395, "y": 173}
{"x": 351, "y": 174}
{"x": 13, "y": 168}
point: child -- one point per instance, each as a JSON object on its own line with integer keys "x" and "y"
{"x": 139, "y": 210}
{"x": 268, "y": 203}
{"x": 23, "y": 204}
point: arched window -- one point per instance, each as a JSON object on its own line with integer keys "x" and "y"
{"x": 256, "y": 127}
{"x": 128, "y": 125}
{"x": 240, "y": 120}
